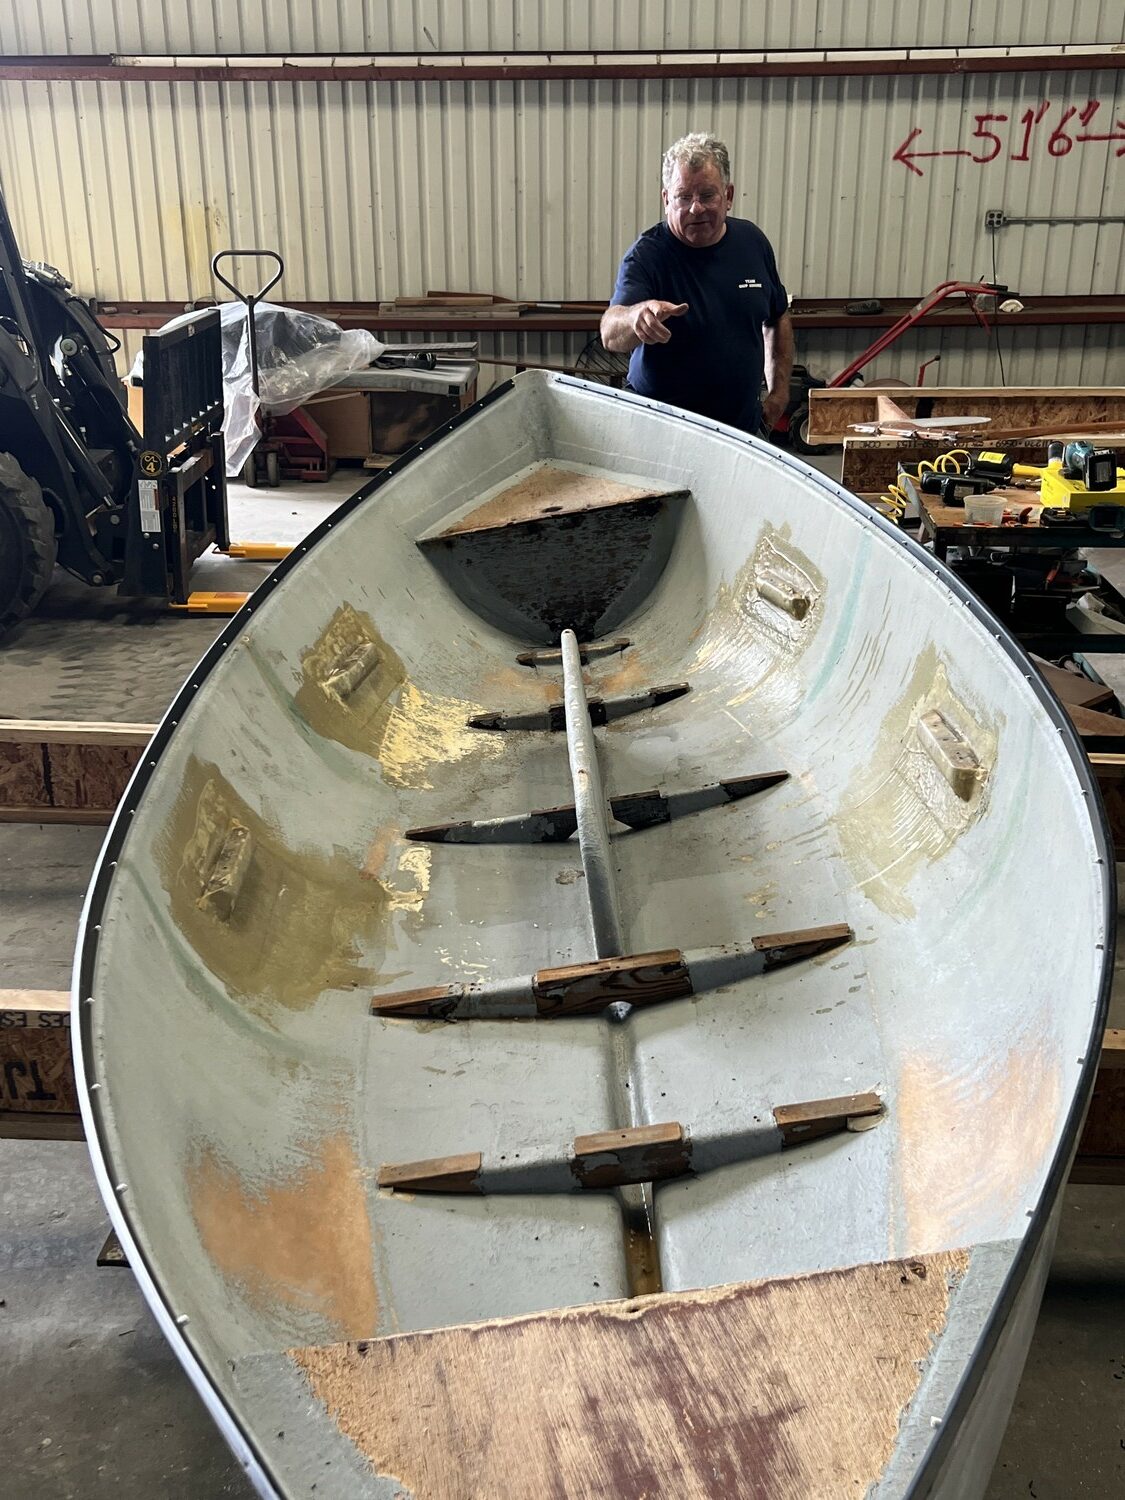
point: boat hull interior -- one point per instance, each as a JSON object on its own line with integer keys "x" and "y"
{"x": 356, "y": 1085}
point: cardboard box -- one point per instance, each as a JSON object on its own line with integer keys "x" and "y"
{"x": 136, "y": 403}
{"x": 345, "y": 417}
{"x": 399, "y": 419}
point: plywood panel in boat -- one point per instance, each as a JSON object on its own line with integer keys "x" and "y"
{"x": 786, "y": 1390}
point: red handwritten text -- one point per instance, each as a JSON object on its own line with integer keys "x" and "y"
{"x": 992, "y": 133}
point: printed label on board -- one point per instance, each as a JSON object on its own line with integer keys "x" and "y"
{"x": 150, "y": 514}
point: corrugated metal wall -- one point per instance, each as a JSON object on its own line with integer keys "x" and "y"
{"x": 535, "y": 189}
{"x": 177, "y": 26}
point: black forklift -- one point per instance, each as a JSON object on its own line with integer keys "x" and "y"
{"x": 79, "y": 485}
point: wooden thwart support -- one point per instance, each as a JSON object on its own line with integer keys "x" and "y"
{"x": 610, "y": 1159}
{"x": 637, "y": 979}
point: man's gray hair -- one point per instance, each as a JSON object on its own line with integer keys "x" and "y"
{"x": 695, "y": 151}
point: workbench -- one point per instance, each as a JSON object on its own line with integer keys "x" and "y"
{"x": 944, "y": 526}
{"x": 447, "y": 378}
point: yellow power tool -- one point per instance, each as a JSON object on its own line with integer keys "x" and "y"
{"x": 1077, "y": 477}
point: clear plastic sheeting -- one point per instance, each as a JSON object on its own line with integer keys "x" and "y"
{"x": 299, "y": 355}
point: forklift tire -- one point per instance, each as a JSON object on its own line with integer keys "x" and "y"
{"x": 273, "y": 469}
{"x": 799, "y": 433}
{"x": 27, "y": 543}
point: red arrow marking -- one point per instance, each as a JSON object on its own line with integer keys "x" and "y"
{"x": 1117, "y": 134}
{"x": 908, "y": 157}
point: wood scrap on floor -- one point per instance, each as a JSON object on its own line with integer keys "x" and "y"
{"x": 1075, "y": 687}
{"x": 66, "y": 772}
{"x": 38, "y": 1098}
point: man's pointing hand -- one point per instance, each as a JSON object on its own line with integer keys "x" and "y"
{"x": 649, "y": 319}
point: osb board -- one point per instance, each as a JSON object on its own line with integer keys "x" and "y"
{"x": 23, "y": 776}
{"x": 64, "y": 775}
{"x": 90, "y": 775}
{"x": 549, "y": 491}
{"x": 36, "y": 1072}
{"x": 832, "y": 413}
{"x": 783, "y": 1390}
{"x": 870, "y": 464}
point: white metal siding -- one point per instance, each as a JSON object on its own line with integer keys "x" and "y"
{"x": 534, "y": 189}
{"x": 178, "y": 26}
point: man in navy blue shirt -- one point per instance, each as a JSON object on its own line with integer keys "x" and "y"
{"x": 699, "y": 303}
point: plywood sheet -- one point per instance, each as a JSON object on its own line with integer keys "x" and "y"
{"x": 1074, "y": 410}
{"x": 783, "y": 1390}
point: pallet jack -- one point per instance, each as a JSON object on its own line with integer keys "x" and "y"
{"x": 292, "y": 445}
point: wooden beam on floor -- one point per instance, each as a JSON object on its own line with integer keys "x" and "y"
{"x": 66, "y": 772}
{"x": 1018, "y": 411}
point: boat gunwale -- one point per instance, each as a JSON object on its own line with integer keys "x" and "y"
{"x": 240, "y": 1440}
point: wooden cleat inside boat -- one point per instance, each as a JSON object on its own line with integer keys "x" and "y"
{"x": 810, "y": 1121}
{"x": 781, "y": 948}
{"x": 641, "y": 1153}
{"x": 589, "y": 989}
{"x": 437, "y": 1174}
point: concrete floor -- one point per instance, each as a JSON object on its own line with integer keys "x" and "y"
{"x": 92, "y": 1403}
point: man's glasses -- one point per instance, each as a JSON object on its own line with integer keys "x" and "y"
{"x": 707, "y": 199}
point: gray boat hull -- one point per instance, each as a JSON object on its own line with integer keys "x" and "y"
{"x": 258, "y": 1111}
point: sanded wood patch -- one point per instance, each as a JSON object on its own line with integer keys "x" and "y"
{"x": 548, "y": 491}
{"x": 780, "y": 1390}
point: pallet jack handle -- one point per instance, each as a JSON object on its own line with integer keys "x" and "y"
{"x": 250, "y": 299}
